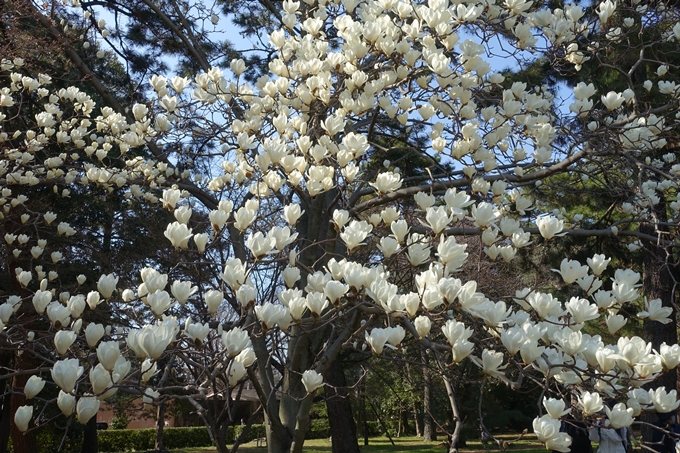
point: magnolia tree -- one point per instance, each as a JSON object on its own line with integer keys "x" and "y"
{"x": 311, "y": 229}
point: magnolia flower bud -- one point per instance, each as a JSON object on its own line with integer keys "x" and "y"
{"x": 22, "y": 417}
{"x": 108, "y": 353}
{"x": 555, "y": 407}
{"x": 87, "y": 408}
{"x": 93, "y": 333}
{"x": 423, "y": 326}
{"x": 107, "y": 285}
{"x": 621, "y": 416}
{"x": 377, "y": 339}
{"x": 66, "y": 403}
{"x": 148, "y": 370}
{"x": 312, "y": 380}
{"x": 159, "y": 302}
{"x": 235, "y": 340}
{"x": 150, "y": 395}
{"x": 100, "y": 379}
{"x": 33, "y": 386}
{"x": 201, "y": 240}
{"x": 65, "y": 373}
{"x": 664, "y": 402}
{"x": 549, "y": 226}
{"x": 128, "y": 295}
{"x": 120, "y": 370}
{"x": 236, "y": 372}
{"x": 246, "y": 357}
{"x": 213, "y": 299}
{"x": 63, "y": 340}
{"x": 93, "y": 299}
{"x": 591, "y": 403}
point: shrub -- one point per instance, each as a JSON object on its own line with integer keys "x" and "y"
{"x": 256, "y": 431}
{"x": 195, "y": 436}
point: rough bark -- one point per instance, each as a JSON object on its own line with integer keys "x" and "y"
{"x": 341, "y": 422}
{"x": 160, "y": 424}
{"x": 429, "y": 433}
{"x": 658, "y": 283}
{"x": 362, "y": 410}
{"x": 21, "y": 442}
{"x": 90, "y": 437}
{"x": 6, "y": 413}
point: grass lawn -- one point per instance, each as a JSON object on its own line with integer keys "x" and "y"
{"x": 413, "y": 444}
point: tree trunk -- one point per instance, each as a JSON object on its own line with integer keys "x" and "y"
{"x": 21, "y": 442}
{"x": 6, "y": 413}
{"x": 90, "y": 437}
{"x": 275, "y": 441}
{"x": 429, "y": 433}
{"x": 340, "y": 419}
{"x": 5, "y": 422}
{"x": 160, "y": 424}
{"x": 657, "y": 281}
{"x": 362, "y": 409}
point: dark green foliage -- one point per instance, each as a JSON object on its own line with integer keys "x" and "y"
{"x": 115, "y": 440}
{"x": 143, "y": 439}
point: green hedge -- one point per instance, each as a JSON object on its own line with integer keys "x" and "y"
{"x": 256, "y": 431}
{"x": 115, "y": 440}
{"x": 143, "y": 439}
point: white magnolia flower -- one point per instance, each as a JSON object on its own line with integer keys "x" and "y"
{"x": 549, "y": 227}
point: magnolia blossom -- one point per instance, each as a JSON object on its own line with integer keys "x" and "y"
{"x": 620, "y": 416}
{"x": 656, "y": 312}
{"x": 178, "y": 234}
{"x": 546, "y": 428}
{"x": 65, "y": 373}
{"x": 66, "y": 403}
{"x": 571, "y": 270}
{"x": 664, "y": 402}
{"x": 670, "y": 355}
{"x": 87, "y": 408}
{"x": 598, "y": 263}
{"x": 591, "y": 403}
{"x": 422, "y": 325}
{"x": 549, "y": 227}
{"x": 107, "y": 285}
{"x": 108, "y": 353}
{"x": 555, "y": 407}
{"x": 235, "y": 340}
{"x": 377, "y": 340}
{"x": 312, "y": 380}
{"x": 33, "y": 386}
{"x": 355, "y": 233}
{"x": 22, "y": 417}
{"x": 312, "y": 132}
{"x": 94, "y": 333}
{"x": 387, "y": 182}
{"x": 491, "y": 363}
{"x": 182, "y": 291}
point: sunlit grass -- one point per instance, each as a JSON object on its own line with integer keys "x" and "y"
{"x": 527, "y": 444}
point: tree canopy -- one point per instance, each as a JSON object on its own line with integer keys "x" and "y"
{"x": 180, "y": 219}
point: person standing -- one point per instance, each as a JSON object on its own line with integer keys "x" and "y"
{"x": 611, "y": 440}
